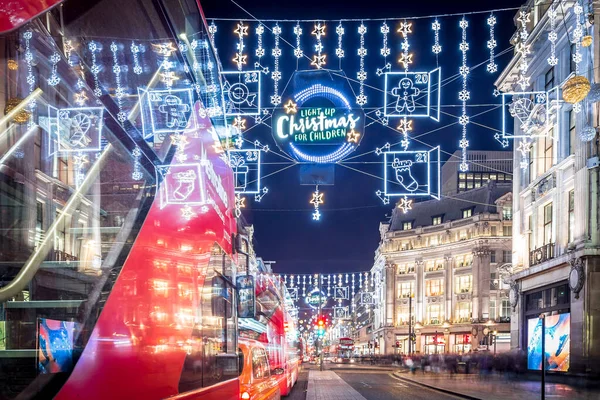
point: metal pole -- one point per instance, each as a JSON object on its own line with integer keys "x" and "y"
{"x": 543, "y": 318}
{"x": 495, "y": 340}
{"x": 410, "y": 324}
{"x": 319, "y": 316}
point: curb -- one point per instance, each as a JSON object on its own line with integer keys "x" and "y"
{"x": 446, "y": 391}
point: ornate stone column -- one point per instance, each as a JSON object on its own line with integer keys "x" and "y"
{"x": 481, "y": 278}
{"x": 419, "y": 290}
{"x": 390, "y": 279}
{"x": 448, "y": 283}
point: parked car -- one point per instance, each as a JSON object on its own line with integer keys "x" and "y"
{"x": 257, "y": 380}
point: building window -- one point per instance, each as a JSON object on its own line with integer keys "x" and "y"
{"x": 464, "y": 283}
{"x": 548, "y": 144}
{"x": 404, "y": 315}
{"x": 406, "y": 226}
{"x": 548, "y": 223}
{"x": 506, "y": 230}
{"x": 507, "y": 213}
{"x": 505, "y": 310}
{"x": 506, "y": 256}
{"x": 464, "y": 260}
{"x": 573, "y": 50}
{"x": 437, "y": 220}
{"x": 39, "y": 223}
{"x": 492, "y": 309}
{"x": 434, "y": 287}
{"x": 493, "y": 256}
{"x": 571, "y": 215}
{"x": 37, "y": 151}
{"x": 549, "y": 79}
{"x": 530, "y": 168}
{"x": 530, "y": 233}
{"x": 467, "y": 212}
{"x": 494, "y": 282}
{"x": 406, "y": 289}
{"x": 463, "y": 311}
{"x": 572, "y": 120}
{"x": 434, "y": 314}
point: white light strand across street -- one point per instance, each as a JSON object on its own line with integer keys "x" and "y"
{"x": 212, "y": 32}
{"x": 464, "y": 95}
{"x": 319, "y": 59}
{"x": 361, "y": 99}
{"x": 552, "y": 36}
{"x": 339, "y": 51}
{"x": 578, "y": 33}
{"x": 436, "y": 48}
{"x": 524, "y": 50}
{"x": 135, "y": 52}
{"x": 136, "y": 175}
{"x": 492, "y": 67}
{"x": 119, "y": 91}
{"x": 298, "y": 33}
{"x": 276, "y": 74}
{"x": 385, "y": 49}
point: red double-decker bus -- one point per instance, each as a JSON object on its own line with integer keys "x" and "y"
{"x": 116, "y": 205}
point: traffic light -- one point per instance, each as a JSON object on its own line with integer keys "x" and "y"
{"x": 397, "y": 344}
{"x": 413, "y": 337}
{"x": 320, "y": 327}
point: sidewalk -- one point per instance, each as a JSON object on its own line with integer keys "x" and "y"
{"x": 327, "y": 385}
{"x": 497, "y": 387}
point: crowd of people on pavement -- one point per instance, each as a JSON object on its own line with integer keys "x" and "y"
{"x": 472, "y": 362}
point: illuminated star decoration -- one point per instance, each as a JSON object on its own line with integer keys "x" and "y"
{"x": 405, "y": 28}
{"x": 164, "y": 49}
{"x": 179, "y": 141}
{"x": 188, "y": 213}
{"x": 405, "y": 59}
{"x": 405, "y": 204}
{"x": 168, "y": 77}
{"x": 353, "y": 136}
{"x": 240, "y": 59}
{"x": 405, "y": 126}
{"x": 239, "y": 123}
{"x": 318, "y": 60}
{"x": 240, "y": 202}
{"x": 319, "y": 31}
{"x": 81, "y": 98}
{"x": 290, "y": 107}
{"x": 241, "y": 30}
{"x": 80, "y": 160}
{"x": 524, "y": 148}
{"x": 317, "y": 198}
{"x": 316, "y": 215}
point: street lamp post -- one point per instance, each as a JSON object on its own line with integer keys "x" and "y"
{"x": 410, "y": 324}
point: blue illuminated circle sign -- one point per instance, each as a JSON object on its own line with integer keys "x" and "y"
{"x": 318, "y": 124}
{"x": 313, "y": 297}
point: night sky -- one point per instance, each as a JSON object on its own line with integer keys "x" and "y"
{"x": 346, "y": 237}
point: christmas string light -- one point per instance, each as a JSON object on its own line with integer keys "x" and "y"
{"x": 28, "y": 35}
{"x": 524, "y": 148}
{"x": 405, "y": 59}
{"x": 212, "y": 32}
{"x": 339, "y": 51}
{"x": 578, "y": 33}
{"x": 240, "y": 202}
{"x": 491, "y": 44}
{"x": 319, "y": 59}
{"x": 119, "y": 91}
{"x": 523, "y": 49}
{"x": 95, "y": 68}
{"x": 240, "y": 58}
{"x": 361, "y": 99}
{"x": 316, "y": 201}
{"x": 436, "y": 48}
{"x": 54, "y": 79}
{"x": 298, "y": 50}
{"x": 68, "y": 49}
{"x": 276, "y": 74}
{"x": 136, "y": 175}
{"x": 385, "y": 50}
{"x": 552, "y": 36}
{"x": 464, "y": 95}
{"x": 135, "y": 52}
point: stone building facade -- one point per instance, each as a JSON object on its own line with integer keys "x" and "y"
{"x": 556, "y": 242}
{"x": 443, "y": 258}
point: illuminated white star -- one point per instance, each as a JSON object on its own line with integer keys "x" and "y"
{"x": 405, "y": 205}
{"x": 353, "y": 136}
{"x": 316, "y": 215}
{"x": 405, "y": 28}
{"x": 319, "y": 30}
{"x": 187, "y": 213}
{"x": 405, "y": 59}
{"x": 290, "y": 107}
{"x": 241, "y": 30}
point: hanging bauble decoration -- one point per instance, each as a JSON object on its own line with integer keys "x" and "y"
{"x": 594, "y": 94}
{"x": 587, "y": 134}
{"x": 575, "y": 89}
{"x": 586, "y": 41}
{"x": 12, "y": 65}
{"x": 20, "y": 117}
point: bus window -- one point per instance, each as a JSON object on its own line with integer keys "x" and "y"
{"x": 212, "y": 349}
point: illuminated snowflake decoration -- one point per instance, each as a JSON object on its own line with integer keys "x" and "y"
{"x": 491, "y": 44}
{"x": 339, "y": 51}
{"x": 276, "y": 75}
{"x": 464, "y": 94}
{"x": 361, "y": 99}
{"x": 298, "y": 50}
{"x": 436, "y": 48}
